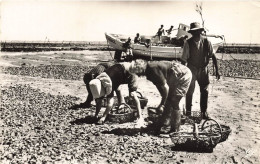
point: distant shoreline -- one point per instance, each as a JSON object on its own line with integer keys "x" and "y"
{"x": 19, "y": 46}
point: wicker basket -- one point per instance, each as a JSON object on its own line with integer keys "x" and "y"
{"x": 143, "y": 101}
{"x": 225, "y": 133}
{"x": 122, "y": 114}
{"x": 205, "y": 142}
{"x": 154, "y": 117}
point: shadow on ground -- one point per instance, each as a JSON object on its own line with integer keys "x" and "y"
{"x": 150, "y": 129}
{"x": 86, "y": 120}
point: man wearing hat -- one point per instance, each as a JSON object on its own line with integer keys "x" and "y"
{"x": 196, "y": 54}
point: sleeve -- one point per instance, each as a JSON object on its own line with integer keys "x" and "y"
{"x": 210, "y": 48}
{"x": 132, "y": 82}
{"x": 186, "y": 52}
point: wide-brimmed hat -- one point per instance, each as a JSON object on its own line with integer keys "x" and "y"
{"x": 195, "y": 26}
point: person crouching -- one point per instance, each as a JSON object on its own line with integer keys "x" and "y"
{"x": 110, "y": 80}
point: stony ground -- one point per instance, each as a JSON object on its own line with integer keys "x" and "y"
{"x": 37, "y": 125}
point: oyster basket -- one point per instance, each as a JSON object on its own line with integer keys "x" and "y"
{"x": 142, "y": 99}
{"x": 204, "y": 142}
{"x": 194, "y": 118}
{"x": 152, "y": 115}
{"x": 225, "y": 132}
{"x": 216, "y": 128}
{"x": 122, "y": 115}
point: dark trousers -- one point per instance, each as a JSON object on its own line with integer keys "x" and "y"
{"x": 90, "y": 96}
{"x": 202, "y": 77}
{"x": 87, "y": 78}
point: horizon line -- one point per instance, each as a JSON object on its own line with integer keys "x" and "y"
{"x": 65, "y": 41}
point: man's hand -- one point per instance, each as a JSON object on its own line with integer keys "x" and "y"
{"x": 160, "y": 109}
{"x": 101, "y": 121}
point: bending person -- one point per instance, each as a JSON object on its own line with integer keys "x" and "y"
{"x": 172, "y": 80}
{"x": 118, "y": 76}
{"x": 92, "y": 74}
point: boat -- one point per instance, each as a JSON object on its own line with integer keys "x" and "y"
{"x": 168, "y": 48}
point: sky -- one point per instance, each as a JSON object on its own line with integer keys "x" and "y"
{"x": 38, "y": 20}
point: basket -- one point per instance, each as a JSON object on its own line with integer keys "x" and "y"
{"x": 122, "y": 114}
{"x": 225, "y": 133}
{"x": 154, "y": 116}
{"x": 143, "y": 101}
{"x": 205, "y": 142}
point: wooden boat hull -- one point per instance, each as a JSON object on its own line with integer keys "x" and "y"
{"x": 152, "y": 52}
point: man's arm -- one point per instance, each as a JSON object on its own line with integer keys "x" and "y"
{"x": 185, "y": 53}
{"x": 215, "y": 63}
{"x": 214, "y": 59}
{"x": 164, "y": 90}
{"x": 110, "y": 103}
{"x": 137, "y": 103}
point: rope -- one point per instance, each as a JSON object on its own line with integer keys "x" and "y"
{"x": 110, "y": 52}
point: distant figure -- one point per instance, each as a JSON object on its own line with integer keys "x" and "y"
{"x": 147, "y": 43}
{"x": 137, "y": 39}
{"x": 160, "y": 32}
{"x": 196, "y": 54}
{"x": 128, "y": 48}
{"x": 169, "y": 31}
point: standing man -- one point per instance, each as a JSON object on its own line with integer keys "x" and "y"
{"x": 137, "y": 38}
{"x": 160, "y": 32}
{"x": 172, "y": 80}
{"x": 169, "y": 31}
{"x": 128, "y": 49}
{"x": 196, "y": 53}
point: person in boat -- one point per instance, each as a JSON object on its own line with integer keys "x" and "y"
{"x": 147, "y": 43}
{"x": 169, "y": 31}
{"x": 172, "y": 79}
{"x": 160, "y": 32}
{"x": 128, "y": 47}
{"x": 110, "y": 80}
{"x": 196, "y": 54}
{"x": 92, "y": 74}
{"x": 137, "y": 38}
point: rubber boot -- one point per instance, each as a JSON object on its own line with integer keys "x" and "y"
{"x": 166, "y": 120}
{"x": 176, "y": 120}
